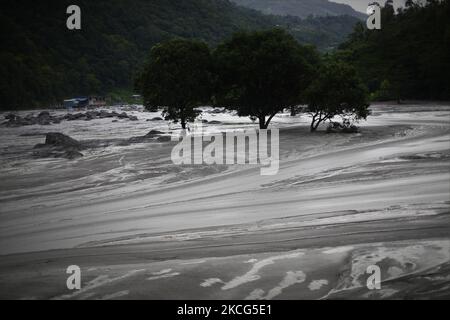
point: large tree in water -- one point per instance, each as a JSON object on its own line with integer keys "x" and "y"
{"x": 261, "y": 73}
{"x": 336, "y": 91}
{"x": 177, "y": 77}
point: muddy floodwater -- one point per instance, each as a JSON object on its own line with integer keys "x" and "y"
{"x": 141, "y": 227}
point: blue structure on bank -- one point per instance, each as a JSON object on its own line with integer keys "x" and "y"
{"x": 76, "y": 103}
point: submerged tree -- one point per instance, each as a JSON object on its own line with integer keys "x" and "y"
{"x": 336, "y": 91}
{"x": 262, "y": 73}
{"x": 177, "y": 77}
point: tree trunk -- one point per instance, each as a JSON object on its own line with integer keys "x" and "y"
{"x": 313, "y": 127}
{"x": 183, "y": 124}
{"x": 318, "y": 118}
{"x": 318, "y": 124}
{"x": 262, "y": 122}
{"x": 315, "y": 124}
{"x": 293, "y": 112}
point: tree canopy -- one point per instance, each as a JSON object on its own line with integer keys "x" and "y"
{"x": 178, "y": 77}
{"x": 261, "y": 73}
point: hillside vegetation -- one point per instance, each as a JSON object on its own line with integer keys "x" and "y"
{"x": 409, "y": 57}
{"x": 42, "y": 62}
{"x": 300, "y": 8}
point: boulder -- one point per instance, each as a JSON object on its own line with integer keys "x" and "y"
{"x": 141, "y": 139}
{"x": 105, "y": 114}
{"x": 44, "y": 118}
{"x": 19, "y": 121}
{"x": 123, "y": 115}
{"x": 58, "y": 145}
{"x": 164, "y": 139}
{"x": 40, "y": 146}
{"x": 74, "y": 116}
{"x": 154, "y": 133}
{"x": 44, "y": 114}
{"x": 61, "y": 140}
{"x": 45, "y": 151}
{"x": 92, "y": 114}
{"x": 71, "y": 154}
{"x": 10, "y": 116}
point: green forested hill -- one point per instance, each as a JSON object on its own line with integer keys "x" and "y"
{"x": 409, "y": 58}
{"x": 41, "y": 62}
{"x": 300, "y": 8}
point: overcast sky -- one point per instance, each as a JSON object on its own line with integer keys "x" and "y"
{"x": 361, "y": 5}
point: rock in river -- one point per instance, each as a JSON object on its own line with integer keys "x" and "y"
{"x": 61, "y": 140}
{"x": 58, "y": 145}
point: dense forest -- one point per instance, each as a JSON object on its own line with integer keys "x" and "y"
{"x": 409, "y": 58}
{"x": 42, "y": 62}
{"x": 301, "y": 8}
